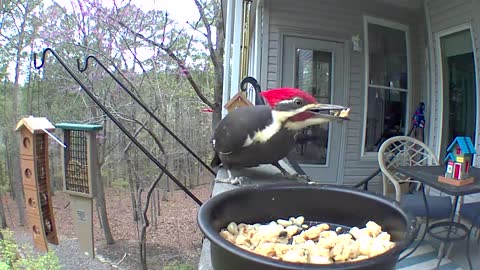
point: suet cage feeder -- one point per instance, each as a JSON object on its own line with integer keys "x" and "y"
{"x": 79, "y": 175}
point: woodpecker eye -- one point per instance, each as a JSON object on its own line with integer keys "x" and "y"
{"x": 298, "y": 101}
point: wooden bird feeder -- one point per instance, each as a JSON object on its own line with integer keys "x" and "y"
{"x": 239, "y": 100}
{"x": 36, "y": 179}
{"x": 79, "y": 172}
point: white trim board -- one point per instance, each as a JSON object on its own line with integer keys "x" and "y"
{"x": 431, "y": 73}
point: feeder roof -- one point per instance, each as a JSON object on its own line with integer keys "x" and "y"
{"x": 465, "y": 144}
{"x": 34, "y": 124}
{"x": 239, "y": 96}
{"x": 82, "y": 127}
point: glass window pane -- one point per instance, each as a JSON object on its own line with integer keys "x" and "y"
{"x": 313, "y": 75}
{"x": 385, "y": 117}
{"x": 459, "y": 89}
{"x": 387, "y": 49}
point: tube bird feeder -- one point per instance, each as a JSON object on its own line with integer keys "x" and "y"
{"x": 36, "y": 179}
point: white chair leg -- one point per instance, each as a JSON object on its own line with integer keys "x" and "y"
{"x": 385, "y": 183}
{"x": 478, "y": 235}
{"x": 449, "y": 250}
{"x": 440, "y": 250}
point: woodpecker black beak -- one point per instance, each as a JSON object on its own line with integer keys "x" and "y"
{"x": 330, "y": 111}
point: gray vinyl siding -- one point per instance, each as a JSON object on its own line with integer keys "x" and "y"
{"x": 445, "y": 14}
{"x": 340, "y": 20}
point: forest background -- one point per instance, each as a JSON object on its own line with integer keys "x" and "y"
{"x": 174, "y": 67}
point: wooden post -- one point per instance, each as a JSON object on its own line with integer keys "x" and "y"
{"x": 36, "y": 179}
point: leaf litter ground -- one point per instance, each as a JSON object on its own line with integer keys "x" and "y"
{"x": 174, "y": 238}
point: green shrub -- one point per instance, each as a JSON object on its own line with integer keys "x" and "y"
{"x": 177, "y": 265}
{"x": 10, "y": 258}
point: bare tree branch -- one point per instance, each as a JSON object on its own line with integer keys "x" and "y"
{"x": 179, "y": 62}
{"x": 211, "y": 48}
{"x": 146, "y": 222}
{"x": 190, "y": 41}
{"x": 149, "y": 194}
{"x": 150, "y": 132}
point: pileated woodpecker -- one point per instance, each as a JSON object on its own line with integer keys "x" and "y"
{"x": 265, "y": 134}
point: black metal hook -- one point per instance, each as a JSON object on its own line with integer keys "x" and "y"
{"x": 43, "y": 57}
{"x": 85, "y": 66}
{"x": 250, "y": 80}
{"x": 145, "y": 107}
{"x": 85, "y": 63}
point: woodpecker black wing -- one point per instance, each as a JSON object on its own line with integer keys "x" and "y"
{"x": 215, "y": 161}
{"x": 233, "y": 130}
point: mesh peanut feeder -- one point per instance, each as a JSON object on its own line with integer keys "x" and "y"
{"x": 79, "y": 175}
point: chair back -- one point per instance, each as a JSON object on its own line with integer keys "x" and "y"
{"x": 402, "y": 151}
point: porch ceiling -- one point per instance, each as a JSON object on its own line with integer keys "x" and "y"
{"x": 408, "y": 4}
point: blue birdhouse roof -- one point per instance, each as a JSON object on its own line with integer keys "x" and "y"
{"x": 465, "y": 144}
{"x": 448, "y": 157}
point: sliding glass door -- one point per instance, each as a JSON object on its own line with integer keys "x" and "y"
{"x": 459, "y": 86}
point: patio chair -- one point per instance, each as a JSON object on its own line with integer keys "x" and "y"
{"x": 471, "y": 212}
{"x": 407, "y": 151}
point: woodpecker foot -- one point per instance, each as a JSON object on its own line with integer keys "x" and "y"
{"x": 231, "y": 180}
{"x": 296, "y": 176}
{"x": 290, "y": 176}
{"x": 237, "y": 180}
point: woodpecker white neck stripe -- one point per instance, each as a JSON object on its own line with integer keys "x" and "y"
{"x": 278, "y": 119}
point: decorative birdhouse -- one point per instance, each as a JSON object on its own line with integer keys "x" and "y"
{"x": 80, "y": 171}
{"x": 458, "y": 161}
{"x": 36, "y": 179}
{"x": 239, "y": 100}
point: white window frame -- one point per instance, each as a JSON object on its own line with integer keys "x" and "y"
{"x": 397, "y": 26}
{"x": 440, "y": 90}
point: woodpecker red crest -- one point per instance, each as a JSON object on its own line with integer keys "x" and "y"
{"x": 274, "y": 96}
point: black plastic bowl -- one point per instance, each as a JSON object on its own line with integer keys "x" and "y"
{"x": 331, "y": 204}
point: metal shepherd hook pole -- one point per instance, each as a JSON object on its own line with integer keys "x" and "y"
{"x": 115, "y": 120}
{"x": 145, "y": 107}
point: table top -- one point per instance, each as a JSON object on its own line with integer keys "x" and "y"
{"x": 428, "y": 175}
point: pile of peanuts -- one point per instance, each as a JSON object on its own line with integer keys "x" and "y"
{"x": 294, "y": 241}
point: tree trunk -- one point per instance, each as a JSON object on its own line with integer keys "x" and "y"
{"x": 131, "y": 182}
{"x": 8, "y": 165}
{"x": 102, "y": 206}
{"x": 145, "y": 222}
{"x": 17, "y": 182}
{"x": 218, "y": 67}
{"x": 142, "y": 243}
{"x": 3, "y": 218}
{"x": 158, "y": 202}
{"x": 99, "y": 185}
